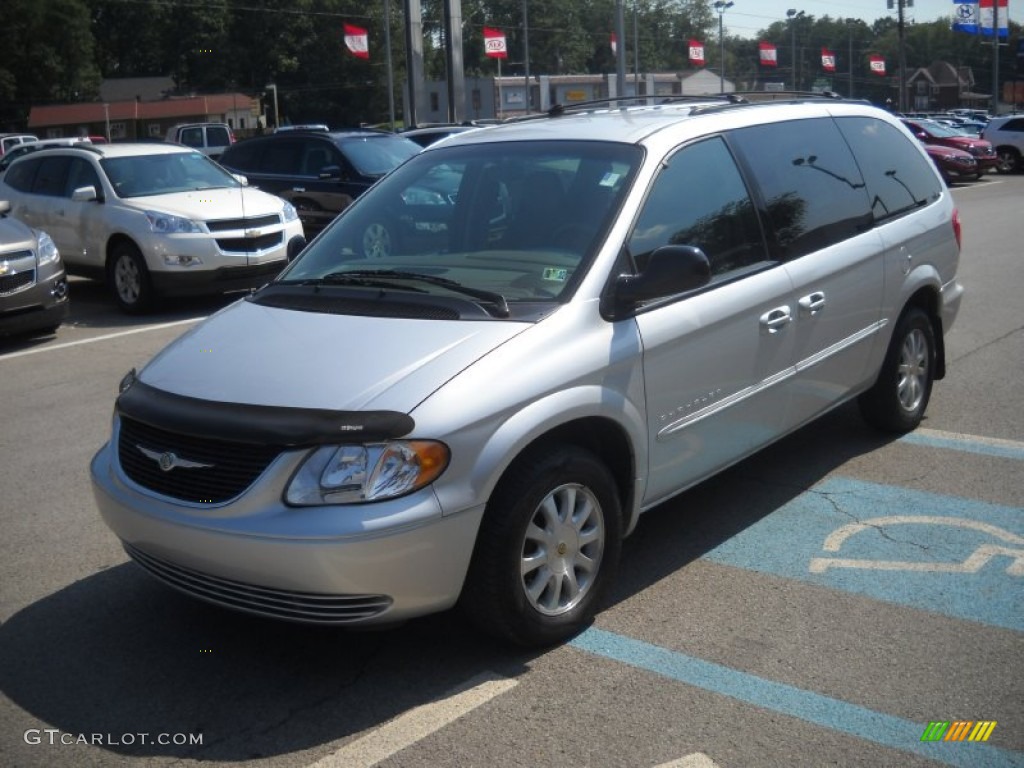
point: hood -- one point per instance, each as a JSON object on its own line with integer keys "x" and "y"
{"x": 270, "y": 356}
{"x": 211, "y": 204}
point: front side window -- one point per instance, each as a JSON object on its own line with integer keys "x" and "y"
{"x": 700, "y": 199}
{"x": 813, "y": 191}
{"x": 81, "y": 174}
{"x": 191, "y": 137}
{"x": 518, "y": 220}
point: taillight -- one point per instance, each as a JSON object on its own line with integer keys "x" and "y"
{"x": 956, "y": 227}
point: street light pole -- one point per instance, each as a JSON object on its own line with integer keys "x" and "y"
{"x": 721, "y": 7}
{"x": 273, "y": 87}
{"x": 793, "y": 14}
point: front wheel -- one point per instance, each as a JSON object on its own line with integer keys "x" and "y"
{"x": 129, "y": 279}
{"x": 897, "y": 401}
{"x": 547, "y": 548}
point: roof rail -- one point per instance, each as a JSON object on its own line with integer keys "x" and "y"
{"x": 577, "y": 107}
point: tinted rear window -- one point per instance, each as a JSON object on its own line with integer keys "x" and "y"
{"x": 899, "y": 178}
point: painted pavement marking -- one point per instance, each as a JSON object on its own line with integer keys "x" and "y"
{"x": 818, "y": 709}
{"x": 985, "y": 446}
{"x": 416, "y": 724}
{"x": 104, "y": 337}
{"x": 939, "y": 553}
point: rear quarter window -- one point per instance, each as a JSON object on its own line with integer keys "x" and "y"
{"x": 812, "y": 190}
{"x": 20, "y": 175}
{"x": 899, "y": 178}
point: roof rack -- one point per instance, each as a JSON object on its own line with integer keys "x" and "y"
{"x": 614, "y": 101}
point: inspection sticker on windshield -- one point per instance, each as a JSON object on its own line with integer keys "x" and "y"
{"x": 556, "y": 274}
{"x": 609, "y": 179}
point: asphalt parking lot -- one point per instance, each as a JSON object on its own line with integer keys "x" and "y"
{"x": 823, "y": 603}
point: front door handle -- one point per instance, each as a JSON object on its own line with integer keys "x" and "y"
{"x": 774, "y": 320}
{"x": 812, "y": 303}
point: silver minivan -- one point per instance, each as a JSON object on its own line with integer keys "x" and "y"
{"x": 468, "y": 388}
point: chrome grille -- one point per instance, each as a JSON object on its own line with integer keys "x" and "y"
{"x": 226, "y": 225}
{"x": 306, "y": 607}
{"x": 233, "y": 466}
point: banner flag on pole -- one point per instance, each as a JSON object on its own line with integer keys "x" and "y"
{"x": 965, "y": 16}
{"x": 357, "y": 41}
{"x": 494, "y": 43}
{"x": 697, "y": 53}
{"x": 769, "y": 54}
{"x": 877, "y": 65}
{"x": 986, "y": 18}
{"x": 828, "y": 60}
{"x": 614, "y": 43}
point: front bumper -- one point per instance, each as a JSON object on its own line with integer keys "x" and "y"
{"x": 44, "y": 306}
{"x": 363, "y": 564}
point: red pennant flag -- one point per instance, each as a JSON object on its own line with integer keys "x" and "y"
{"x": 614, "y": 43}
{"x": 828, "y": 60}
{"x": 697, "y": 53}
{"x": 769, "y": 55}
{"x": 357, "y": 41}
{"x": 877, "y": 65}
{"x": 494, "y": 43}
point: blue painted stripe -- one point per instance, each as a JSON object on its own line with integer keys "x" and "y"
{"x": 1004, "y": 449}
{"x": 811, "y": 707}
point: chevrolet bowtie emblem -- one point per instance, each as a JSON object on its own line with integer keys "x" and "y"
{"x": 168, "y": 460}
{"x": 5, "y": 267}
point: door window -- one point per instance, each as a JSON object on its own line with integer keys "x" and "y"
{"x": 51, "y": 176}
{"x": 813, "y": 191}
{"x": 700, "y": 199}
{"x": 81, "y": 174}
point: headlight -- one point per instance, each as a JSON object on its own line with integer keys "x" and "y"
{"x": 290, "y": 214}
{"x": 165, "y": 224}
{"x": 47, "y": 249}
{"x": 351, "y": 474}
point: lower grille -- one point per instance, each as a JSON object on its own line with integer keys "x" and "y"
{"x": 227, "y": 468}
{"x": 304, "y": 607}
{"x": 12, "y": 283}
{"x": 244, "y": 244}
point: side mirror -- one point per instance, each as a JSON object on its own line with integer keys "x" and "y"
{"x": 243, "y": 180}
{"x": 671, "y": 269}
{"x": 5, "y": 206}
{"x": 84, "y": 194}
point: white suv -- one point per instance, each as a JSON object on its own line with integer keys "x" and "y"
{"x": 152, "y": 219}
{"x": 468, "y": 388}
{"x": 1006, "y": 134}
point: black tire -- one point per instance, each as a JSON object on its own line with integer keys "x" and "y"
{"x": 898, "y": 399}
{"x": 529, "y": 509}
{"x": 129, "y": 279}
{"x": 1009, "y": 160}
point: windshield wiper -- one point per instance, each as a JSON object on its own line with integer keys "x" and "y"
{"x": 375, "y": 276}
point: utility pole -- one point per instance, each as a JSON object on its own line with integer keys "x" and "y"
{"x": 995, "y": 57}
{"x": 902, "y": 100}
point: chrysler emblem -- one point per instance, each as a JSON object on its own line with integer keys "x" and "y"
{"x": 168, "y": 460}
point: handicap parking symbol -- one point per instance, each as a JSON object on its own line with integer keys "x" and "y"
{"x": 960, "y": 557}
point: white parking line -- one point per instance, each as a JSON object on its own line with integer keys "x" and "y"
{"x": 696, "y": 760}
{"x": 416, "y": 724}
{"x": 67, "y": 344}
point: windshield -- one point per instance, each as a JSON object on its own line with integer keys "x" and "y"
{"x": 143, "y": 175}
{"x": 376, "y": 155}
{"x": 515, "y": 220}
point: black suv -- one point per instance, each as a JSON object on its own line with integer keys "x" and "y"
{"x": 319, "y": 172}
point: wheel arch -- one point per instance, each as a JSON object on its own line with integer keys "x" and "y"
{"x": 114, "y": 241}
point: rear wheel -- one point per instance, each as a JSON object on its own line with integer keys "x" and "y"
{"x": 129, "y": 279}
{"x": 897, "y": 401}
{"x": 547, "y": 548}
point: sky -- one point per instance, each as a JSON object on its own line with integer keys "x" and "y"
{"x": 746, "y": 17}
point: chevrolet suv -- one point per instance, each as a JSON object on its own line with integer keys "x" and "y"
{"x": 1006, "y": 134}
{"x": 153, "y": 220}
{"x": 33, "y": 288}
{"x": 320, "y": 172}
{"x": 571, "y": 319}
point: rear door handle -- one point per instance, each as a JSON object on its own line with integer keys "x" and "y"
{"x": 812, "y": 303}
{"x": 774, "y": 320}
